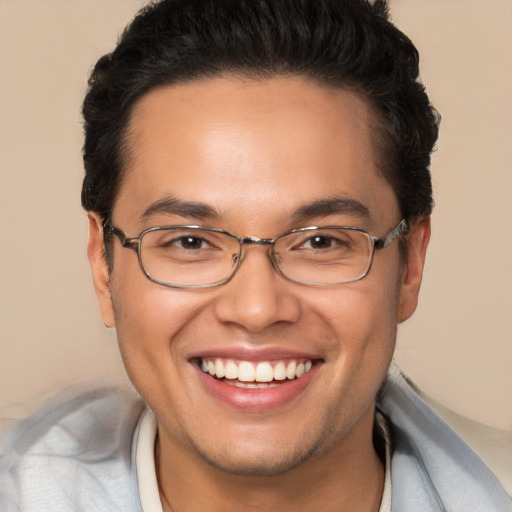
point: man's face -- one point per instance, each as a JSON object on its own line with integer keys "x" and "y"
{"x": 254, "y": 153}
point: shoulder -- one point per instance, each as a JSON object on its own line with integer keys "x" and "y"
{"x": 432, "y": 466}
{"x": 75, "y": 449}
{"x": 492, "y": 445}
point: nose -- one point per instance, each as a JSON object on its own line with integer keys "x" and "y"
{"x": 257, "y": 296}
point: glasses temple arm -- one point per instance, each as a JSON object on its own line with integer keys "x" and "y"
{"x": 401, "y": 229}
{"x": 130, "y": 243}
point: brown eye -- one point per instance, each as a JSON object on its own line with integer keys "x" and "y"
{"x": 190, "y": 242}
{"x": 320, "y": 242}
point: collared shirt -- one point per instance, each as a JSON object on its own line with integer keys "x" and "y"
{"x": 145, "y": 463}
{"x": 86, "y": 450}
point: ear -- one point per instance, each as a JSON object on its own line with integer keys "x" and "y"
{"x": 99, "y": 268}
{"x": 417, "y": 242}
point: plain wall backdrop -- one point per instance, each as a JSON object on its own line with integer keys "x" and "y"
{"x": 458, "y": 346}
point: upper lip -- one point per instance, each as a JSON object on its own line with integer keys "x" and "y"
{"x": 254, "y": 354}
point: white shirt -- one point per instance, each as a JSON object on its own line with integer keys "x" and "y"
{"x": 92, "y": 448}
{"x": 146, "y": 474}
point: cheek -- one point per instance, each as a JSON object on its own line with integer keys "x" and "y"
{"x": 149, "y": 319}
{"x": 362, "y": 318}
{"x": 153, "y": 331}
{"x": 360, "y": 311}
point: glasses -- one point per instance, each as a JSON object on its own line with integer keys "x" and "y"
{"x": 200, "y": 257}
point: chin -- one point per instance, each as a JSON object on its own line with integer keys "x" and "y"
{"x": 262, "y": 459}
{"x": 259, "y": 465}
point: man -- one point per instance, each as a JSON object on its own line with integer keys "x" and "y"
{"x": 258, "y": 193}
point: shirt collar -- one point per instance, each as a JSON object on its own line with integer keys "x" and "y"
{"x": 145, "y": 463}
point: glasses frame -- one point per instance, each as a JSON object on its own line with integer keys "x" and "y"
{"x": 402, "y": 228}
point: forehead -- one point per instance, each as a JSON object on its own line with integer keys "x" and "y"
{"x": 241, "y": 145}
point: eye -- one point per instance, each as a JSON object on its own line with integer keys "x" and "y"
{"x": 181, "y": 240}
{"x": 319, "y": 242}
{"x": 323, "y": 242}
{"x": 190, "y": 242}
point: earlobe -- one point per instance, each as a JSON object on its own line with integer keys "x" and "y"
{"x": 99, "y": 269}
{"x": 417, "y": 242}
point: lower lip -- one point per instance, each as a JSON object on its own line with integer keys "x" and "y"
{"x": 256, "y": 400}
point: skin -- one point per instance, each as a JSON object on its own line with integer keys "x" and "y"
{"x": 254, "y": 152}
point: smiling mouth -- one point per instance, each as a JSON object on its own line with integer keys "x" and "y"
{"x": 252, "y": 375}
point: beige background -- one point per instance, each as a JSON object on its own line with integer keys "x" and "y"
{"x": 458, "y": 347}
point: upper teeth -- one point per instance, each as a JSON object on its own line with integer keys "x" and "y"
{"x": 264, "y": 371}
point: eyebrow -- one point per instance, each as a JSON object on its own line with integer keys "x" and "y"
{"x": 319, "y": 208}
{"x": 331, "y": 206}
{"x": 173, "y": 206}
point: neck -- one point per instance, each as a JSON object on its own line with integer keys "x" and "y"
{"x": 350, "y": 476}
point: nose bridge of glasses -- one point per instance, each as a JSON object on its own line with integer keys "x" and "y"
{"x": 254, "y": 240}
